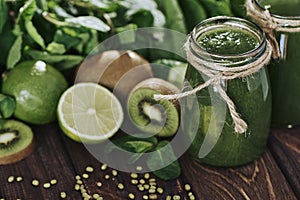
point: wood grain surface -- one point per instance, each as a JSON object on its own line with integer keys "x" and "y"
{"x": 274, "y": 176}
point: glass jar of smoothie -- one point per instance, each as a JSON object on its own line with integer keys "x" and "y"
{"x": 285, "y": 72}
{"x": 228, "y": 42}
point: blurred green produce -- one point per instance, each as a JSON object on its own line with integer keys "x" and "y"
{"x": 62, "y": 33}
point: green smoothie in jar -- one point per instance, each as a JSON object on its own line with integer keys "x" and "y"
{"x": 229, "y": 42}
{"x": 285, "y": 72}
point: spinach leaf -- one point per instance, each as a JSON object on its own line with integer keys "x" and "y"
{"x": 132, "y": 144}
{"x": 193, "y": 12}
{"x": 98, "y": 5}
{"x": 27, "y": 11}
{"x": 56, "y": 48}
{"x": 129, "y": 36}
{"x": 173, "y": 13}
{"x": 61, "y": 62}
{"x": 90, "y": 22}
{"x": 92, "y": 43}
{"x": 7, "y": 38}
{"x": 162, "y": 156}
{"x": 144, "y": 13}
{"x": 33, "y": 33}
{"x": 7, "y": 106}
{"x": 217, "y": 7}
{"x": 62, "y": 36}
{"x": 3, "y": 14}
{"x": 14, "y": 54}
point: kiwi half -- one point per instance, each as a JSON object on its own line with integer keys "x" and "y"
{"x": 16, "y": 142}
{"x": 159, "y": 117}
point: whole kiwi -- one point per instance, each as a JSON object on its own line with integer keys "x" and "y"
{"x": 117, "y": 70}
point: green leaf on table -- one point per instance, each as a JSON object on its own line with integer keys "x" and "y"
{"x": 161, "y": 157}
{"x": 14, "y": 54}
{"x": 135, "y": 157}
{"x": 7, "y": 106}
{"x": 90, "y": 22}
{"x": 33, "y": 33}
{"x": 132, "y": 143}
{"x": 3, "y": 14}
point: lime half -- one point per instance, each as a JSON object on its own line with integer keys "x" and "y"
{"x": 89, "y": 113}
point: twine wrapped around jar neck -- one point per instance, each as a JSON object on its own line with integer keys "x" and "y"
{"x": 270, "y": 24}
{"x": 216, "y": 73}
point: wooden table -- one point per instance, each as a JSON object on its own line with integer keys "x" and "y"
{"x": 274, "y": 176}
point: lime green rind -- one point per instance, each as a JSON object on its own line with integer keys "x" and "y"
{"x": 36, "y": 93}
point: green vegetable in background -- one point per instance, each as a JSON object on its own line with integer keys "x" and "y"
{"x": 162, "y": 155}
{"x": 217, "y": 7}
{"x": 62, "y": 34}
{"x": 3, "y": 14}
{"x": 238, "y": 8}
{"x": 7, "y": 106}
{"x": 173, "y": 13}
{"x": 193, "y": 12}
{"x": 130, "y": 143}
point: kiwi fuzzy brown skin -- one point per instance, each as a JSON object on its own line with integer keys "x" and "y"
{"x": 109, "y": 67}
{"x": 141, "y": 97}
{"x": 16, "y": 142}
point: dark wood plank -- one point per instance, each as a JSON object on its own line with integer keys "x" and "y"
{"x": 48, "y": 161}
{"x": 57, "y": 156}
{"x": 259, "y": 180}
{"x": 285, "y": 146}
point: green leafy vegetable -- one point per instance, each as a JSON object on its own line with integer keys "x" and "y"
{"x": 7, "y": 106}
{"x": 132, "y": 144}
{"x": 56, "y": 48}
{"x": 34, "y": 33}
{"x": 62, "y": 62}
{"x": 193, "y": 12}
{"x": 217, "y": 7}
{"x": 88, "y": 22}
{"x": 27, "y": 11}
{"x": 14, "y": 54}
{"x": 144, "y": 13}
{"x": 3, "y": 14}
{"x": 173, "y": 13}
{"x": 163, "y": 155}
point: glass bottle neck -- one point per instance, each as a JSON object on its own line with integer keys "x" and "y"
{"x": 279, "y": 9}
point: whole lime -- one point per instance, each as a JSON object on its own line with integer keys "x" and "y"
{"x": 37, "y": 87}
